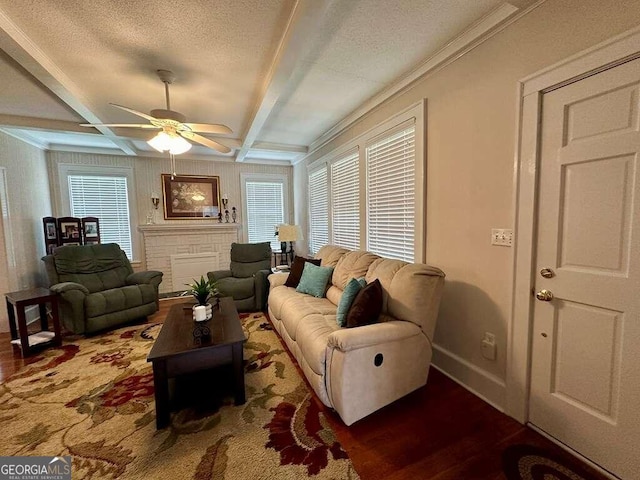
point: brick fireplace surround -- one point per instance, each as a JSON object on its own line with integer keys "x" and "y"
{"x": 162, "y": 241}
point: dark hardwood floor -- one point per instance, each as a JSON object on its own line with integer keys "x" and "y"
{"x": 441, "y": 431}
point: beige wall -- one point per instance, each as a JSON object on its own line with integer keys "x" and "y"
{"x": 28, "y": 201}
{"x": 147, "y": 173}
{"x": 471, "y": 122}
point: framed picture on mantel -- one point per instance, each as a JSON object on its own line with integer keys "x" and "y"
{"x": 190, "y": 196}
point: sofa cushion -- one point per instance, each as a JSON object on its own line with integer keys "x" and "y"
{"x": 330, "y": 254}
{"x": 118, "y": 299}
{"x": 334, "y": 294}
{"x": 314, "y": 280}
{"x": 296, "y": 308}
{"x": 384, "y": 270}
{"x": 348, "y": 295}
{"x": 312, "y": 336}
{"x": 238, "y": 288}
{"x": 352, "y": 265}
{"x": 97, "y": 267}
{"x": 367, "y": 305}
{"x": 296, "y": 270}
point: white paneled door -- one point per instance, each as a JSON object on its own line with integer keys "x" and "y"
{"x": 585, "y": 378}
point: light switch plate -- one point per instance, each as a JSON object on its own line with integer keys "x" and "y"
{"x": 502, "y": 237}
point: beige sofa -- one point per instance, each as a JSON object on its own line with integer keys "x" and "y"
{"x": 358, "y": 370}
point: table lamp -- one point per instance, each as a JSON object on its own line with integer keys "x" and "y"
{"x": 290, "y": 234}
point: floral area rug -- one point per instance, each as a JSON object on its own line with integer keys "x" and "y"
{"x": 93, "y": 399}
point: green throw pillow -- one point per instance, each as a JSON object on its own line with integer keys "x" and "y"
{"x": 348, "y": 295}
{"x": 314, "y": 280}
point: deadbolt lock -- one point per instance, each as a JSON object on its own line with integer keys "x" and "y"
{"x": 547, "y": 273}
{"x": 544, "y": 295}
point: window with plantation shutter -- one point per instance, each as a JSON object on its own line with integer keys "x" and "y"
{"x": 318, "y": 210}
{"x": 265, "y": 209}
{"x": 345, "y": 202}
{"x": 391, "y": 195}
{"x": 107, "y": 198}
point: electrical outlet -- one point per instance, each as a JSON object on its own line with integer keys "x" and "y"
{"x": 502, "y": 237}
{"x": 488, "y": 346}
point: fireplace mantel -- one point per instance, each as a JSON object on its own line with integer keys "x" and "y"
{"x": 164, "y": 241}
{"x": 162, "y": 228}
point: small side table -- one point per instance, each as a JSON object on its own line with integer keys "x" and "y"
{"x": 17, "y": 301}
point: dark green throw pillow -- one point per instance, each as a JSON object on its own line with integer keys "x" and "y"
{"x": 367, "y": 305}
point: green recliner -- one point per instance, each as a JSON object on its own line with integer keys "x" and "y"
{"x": 98, "y": 288}
{"x": 246, "y": 281}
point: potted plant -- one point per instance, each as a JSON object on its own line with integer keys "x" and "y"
{"x": 202, "y": 290}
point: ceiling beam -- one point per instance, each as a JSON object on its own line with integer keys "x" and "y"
{"x": 303, "y": 25}
{"x": 280, "y": 147}
{"x": 33, "y": 123}
{"x": 28, "y": 55}
{"x": 27, "y": 128}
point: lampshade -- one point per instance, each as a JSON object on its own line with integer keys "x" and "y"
{"x": 289, "y": 233}
{"x": 174, "y": 143}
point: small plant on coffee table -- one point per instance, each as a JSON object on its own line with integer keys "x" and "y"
{"x": 202, "y": 290}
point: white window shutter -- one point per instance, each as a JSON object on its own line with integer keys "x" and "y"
{"x": 345, "y": 202}
{"x": 265, "y": 210}
{"x": 104, "y": 197}
{"x": 318, "y": 210}
{"x": 391, "y": 195}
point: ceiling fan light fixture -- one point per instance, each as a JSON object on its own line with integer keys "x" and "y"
{"x": 174, "y": 144}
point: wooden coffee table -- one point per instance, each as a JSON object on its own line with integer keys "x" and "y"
{"x": 177, "y": 352}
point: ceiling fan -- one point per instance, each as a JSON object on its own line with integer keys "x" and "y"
{"x": 172, "y": 125}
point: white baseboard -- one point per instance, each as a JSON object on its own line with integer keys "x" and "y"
{"x": 32, "y": 314}
{"x": 481, "y": 383}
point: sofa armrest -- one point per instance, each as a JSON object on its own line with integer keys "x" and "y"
{"x": 72, "y": 297}
{"x": 66, "y": 287}
{"x": 347, "y": 339}
{"x": 151, "y": 277}
{"x": 277, "y": 279}
{"x": 262, "y": 287}
{"x": 219, "y": 275}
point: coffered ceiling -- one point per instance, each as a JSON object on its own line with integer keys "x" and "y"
{"x": 280, "y": 73}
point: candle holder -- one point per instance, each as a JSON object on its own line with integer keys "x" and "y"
{"x": 220, "y": 217}
{"x": 234, "y": 214}
{"x": 201, "y": 333}
{"x": 151, "y": 217}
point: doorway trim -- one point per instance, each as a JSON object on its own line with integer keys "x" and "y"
{"x": 608, "y": 54}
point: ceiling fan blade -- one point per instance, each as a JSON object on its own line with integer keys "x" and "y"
{"x": 207, "y": 142}
{"x": 208, "y": 128}
{"x": 135, "y": 112}
{"x": 121, "y": 125}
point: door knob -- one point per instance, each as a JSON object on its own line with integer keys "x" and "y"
{"x": 544, "y": 295}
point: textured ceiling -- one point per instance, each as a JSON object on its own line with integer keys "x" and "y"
{"x": 280, "y": 73}
{"x": 363, "y": 46}
{"x": 21, "y": 95}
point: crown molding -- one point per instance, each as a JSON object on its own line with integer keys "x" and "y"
{"x": 24, "y": 137}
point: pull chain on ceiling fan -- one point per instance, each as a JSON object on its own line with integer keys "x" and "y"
{"x": 173, "y": 126}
